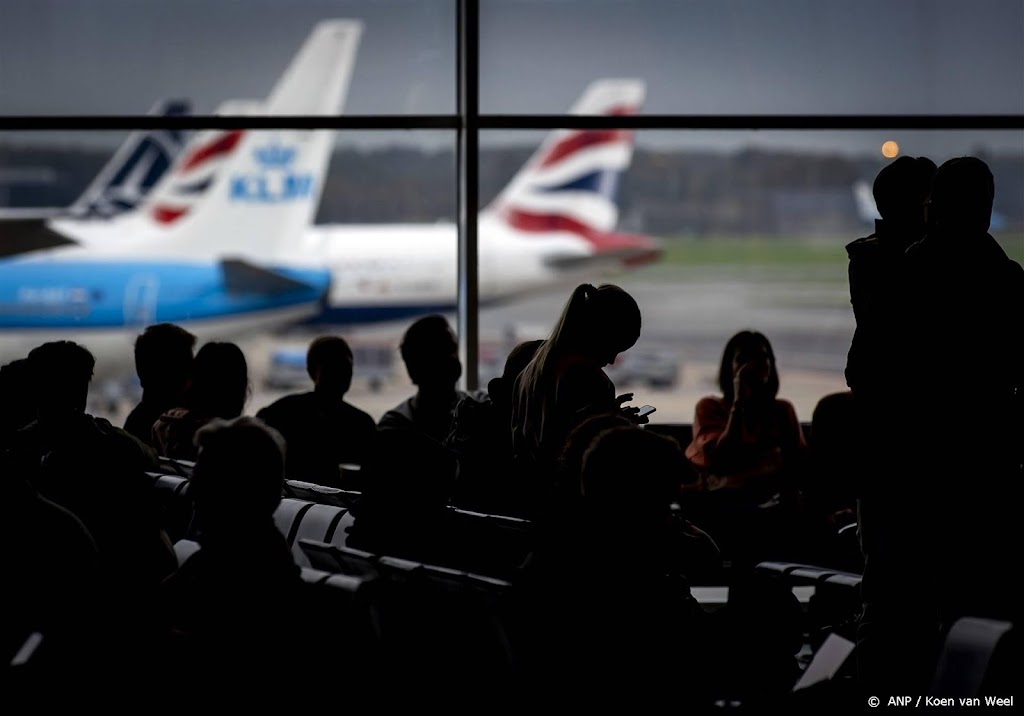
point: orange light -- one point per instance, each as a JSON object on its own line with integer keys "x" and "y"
{"x": 890, "y": 149}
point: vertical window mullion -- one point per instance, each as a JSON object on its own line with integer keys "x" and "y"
{"x": 467, "y": 169}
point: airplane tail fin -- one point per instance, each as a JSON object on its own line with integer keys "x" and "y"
{"x": 248, "y": 192}
{"x": 136, "y": 167}
{"x": 573, "y": 178}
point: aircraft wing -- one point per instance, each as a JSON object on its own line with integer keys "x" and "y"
{"x": 241, "y": 277}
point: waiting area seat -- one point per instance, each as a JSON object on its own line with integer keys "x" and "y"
{"x": 322, "y": 494}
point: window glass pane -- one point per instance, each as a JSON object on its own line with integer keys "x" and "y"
{"x": 122, "y": 56}
{"x": 222, "y": 244}
{"x": 753, "y": 226}
{"x": 751, "y": 56}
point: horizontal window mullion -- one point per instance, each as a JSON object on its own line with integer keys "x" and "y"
{"x": 517, "y": 122}
{"x": 750, "y": 121}
{"x": 143, "y": 122}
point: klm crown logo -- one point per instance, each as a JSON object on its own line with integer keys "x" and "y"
{"x": 274, "y": 156}
{"x": 275, "y": 181}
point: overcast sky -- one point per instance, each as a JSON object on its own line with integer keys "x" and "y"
{"x": 713, "y": 56}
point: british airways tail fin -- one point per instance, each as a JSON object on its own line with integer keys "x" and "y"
{"x": 136, "y": 167}
{"x": 574, "y": 176}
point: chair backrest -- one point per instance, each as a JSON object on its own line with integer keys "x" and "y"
{"x": 488, "y": 544}
{"x": 976, "y": 658}
{"x": 174, "y": 504}
{"x": 319, "y": 523}
{"x": 321, "y": 494}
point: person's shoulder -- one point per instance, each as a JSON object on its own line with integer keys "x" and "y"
{"x": 786, "y": 405}
{"x": 709, "y": 402}
{"x": 284, "y": 404}
{"x": 356, "y": 414}
{"x": 399, "y": 416}
{"x": 126, "y": 440}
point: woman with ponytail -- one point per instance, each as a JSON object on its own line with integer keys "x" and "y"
{"x": 565, "y": 382}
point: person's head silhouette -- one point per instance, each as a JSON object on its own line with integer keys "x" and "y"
{"x": 330, "y": 364}
{"x": 163, "y": 359}
{"x": 749, "y": 355}
{"x": 614, "y": 483}
{"x": 219, "y": 385}
{"x": 431, "y": 355}
{"x": 238, "y": 477}
{"x": 500, "y": 388}
{"x": 597, "y": 322}
{"x": 17, "y": 398}
{"x": 961, "y": 197}
{"x": 900, "y": 191}
{"x": 61, "y": 372}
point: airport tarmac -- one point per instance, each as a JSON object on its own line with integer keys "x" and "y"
{"x": 691, "y": 318}
{"x": 688, "y": 316}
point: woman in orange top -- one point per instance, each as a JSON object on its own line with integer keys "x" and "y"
{"x": 747, "y": 445}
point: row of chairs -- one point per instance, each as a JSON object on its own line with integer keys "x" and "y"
{"x": 975, "y": 661}
{"x": 491, "y": 544}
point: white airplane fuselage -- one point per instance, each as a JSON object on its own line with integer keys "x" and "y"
{"x": 381, "y": 271}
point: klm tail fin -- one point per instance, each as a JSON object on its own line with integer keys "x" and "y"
{"x": 248, "y": 193}
{"x": 137, "y": 166}
{"x": 574, "y": 176}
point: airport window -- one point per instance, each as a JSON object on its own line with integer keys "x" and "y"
{"x": 728, "y": 192}
{"x": 706, "y": 57}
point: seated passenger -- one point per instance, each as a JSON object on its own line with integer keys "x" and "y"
{"x": 226, "y": 610}
{"x": 17, "y": 403}
{"x": 93, "y": 469}
{"x": 607, "y": 602}
{"x": 402, "y": 512}
{"x": 748, "y": 446}
{"x": 218, "y": 388}
{"x": 45, "y": 549}
{"x": 163, "y": 361}
{"x": 320, "y": 429}
{"x": 481, "y": 438}
{"x": 431, "y": 356}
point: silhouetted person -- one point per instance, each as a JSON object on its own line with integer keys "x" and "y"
{"x": 748, "y": 449}
{"x": 935, "y": 539}
{"x": 17, "y": 401}
{"x": 229, "y": 603}
{"x": 431, "y": 356}
{"x": 599, "y": 631}
{"x": 93, "y": 469}
{"x": 45, "y": 549}
{"x": 321, "y": 430}
{"x": 876, "y": 272}
{"x": 835, "y": 468}
{"x": 409, "y": 479}
{"x": 163, "y": 361}
{"x": 565, "y": 381}
{"x": 481, "y": 437}
{"x": 218, "y": 388}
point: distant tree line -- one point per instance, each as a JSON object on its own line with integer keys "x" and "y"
{"x": 664, "y": 192}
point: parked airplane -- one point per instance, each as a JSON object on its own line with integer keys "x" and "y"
{"x": 553, "y": 224}
{"x": 134, "y": 169}
{"x": 209, "y": 249}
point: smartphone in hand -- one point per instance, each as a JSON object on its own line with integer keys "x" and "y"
{"x": 645, "y": 410}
